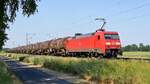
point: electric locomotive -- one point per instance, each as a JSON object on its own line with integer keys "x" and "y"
{"x": 100, "y": 43}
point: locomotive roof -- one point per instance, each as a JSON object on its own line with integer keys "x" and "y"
{"x": 91, "y": 34}
{"x": 84, "y": 35}
{"x": 109, "y": 32}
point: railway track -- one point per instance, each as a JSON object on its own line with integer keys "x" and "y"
{"x": 126, "y": 58}
{"x": 121, "y": 58}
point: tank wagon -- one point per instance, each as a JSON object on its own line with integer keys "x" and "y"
{"x": 99, "y": 43}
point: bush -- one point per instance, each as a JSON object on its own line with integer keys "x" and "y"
{"x": 5, "y": 77}
{"x": 118, "y": 71}
{"x": 22, "y": 58}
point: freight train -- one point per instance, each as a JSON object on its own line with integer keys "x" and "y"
{"x": 100, "y": 43}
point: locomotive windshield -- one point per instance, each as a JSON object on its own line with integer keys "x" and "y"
{"x": 111, "y": 36}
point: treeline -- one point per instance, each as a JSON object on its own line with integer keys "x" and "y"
{"x": 135, "y": 47}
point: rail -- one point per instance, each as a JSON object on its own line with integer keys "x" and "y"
{"x": 129, "y": 58}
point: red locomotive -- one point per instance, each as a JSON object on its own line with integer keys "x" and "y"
{"x": 99, "y": 43}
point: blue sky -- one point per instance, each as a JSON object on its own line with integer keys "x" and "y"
{"x": 60, "y": 18}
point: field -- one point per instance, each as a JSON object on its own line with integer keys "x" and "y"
{"x": 137, "y": 54}
{"x": 102, "y": 71}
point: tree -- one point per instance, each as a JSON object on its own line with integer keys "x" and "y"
{"x": 141, "y": 47}
{"x": 8, "y": 10}
{"x": 134, "y": 47}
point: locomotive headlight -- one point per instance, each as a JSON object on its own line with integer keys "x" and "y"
{"x": 118, "y": 43}
{"x": 108, "y": 43}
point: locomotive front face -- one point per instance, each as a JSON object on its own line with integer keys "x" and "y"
{"x": 108, "y": 42}
{"x": 112, "y": 43}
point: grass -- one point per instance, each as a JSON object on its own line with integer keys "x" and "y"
{"x": 137, "y": 54}
{"x": 5, "y": 76}
{"x": 104, "y": 71}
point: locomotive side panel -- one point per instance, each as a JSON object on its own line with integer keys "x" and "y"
{"x": 80, "y": 44}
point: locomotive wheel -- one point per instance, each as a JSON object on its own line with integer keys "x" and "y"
{"x": 114, "y": 55}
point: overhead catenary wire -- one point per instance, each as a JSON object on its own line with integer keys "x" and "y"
{"x": 129, "y": 10}
{"x": 131, "y": 19}
{"x": 110, "y": 17}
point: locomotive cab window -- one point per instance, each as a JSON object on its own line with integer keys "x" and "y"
{"x": 98, "y": 37}
{"x": 111, "y": 36}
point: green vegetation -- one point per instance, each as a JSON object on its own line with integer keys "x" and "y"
{"x": 104, "y": 71}
{"x": 6, "y": 77}
{"x": 135, "y": 47}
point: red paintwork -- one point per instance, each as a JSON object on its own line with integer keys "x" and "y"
{"x": 88, "y": 42}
